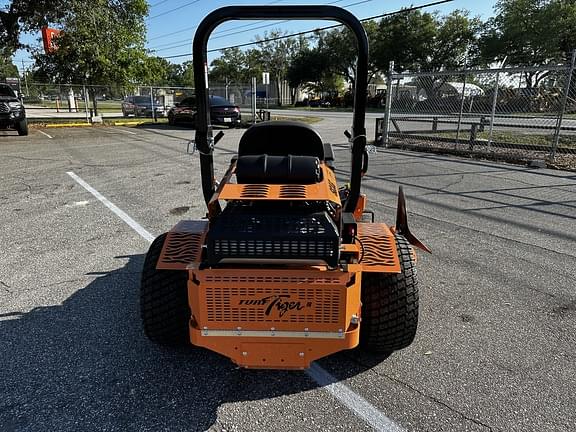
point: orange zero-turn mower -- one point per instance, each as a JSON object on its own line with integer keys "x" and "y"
{"x": 285, "y": 269}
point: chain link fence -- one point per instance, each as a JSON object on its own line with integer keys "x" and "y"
{"x": 69, "y": 101}
{"x": 525, "y": 114}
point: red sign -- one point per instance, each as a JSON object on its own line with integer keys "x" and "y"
{"x": 48, "y": 35}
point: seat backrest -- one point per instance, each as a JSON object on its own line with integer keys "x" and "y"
{"x": 281, "y": 138}
{"x": 265, "y": 169}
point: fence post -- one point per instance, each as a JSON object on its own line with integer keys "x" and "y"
{"x": 152, "y": 107}
{"x": 388, "y": 107}
{"x": 58, "y": 100}
{"x": 493, "y": 112}
{"x": 461, "y": 107}
{"x": 473, "y": 135}
{"x": 86, "y": 103}
{"x": 563, "y": 105}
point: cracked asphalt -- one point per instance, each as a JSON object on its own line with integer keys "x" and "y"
{"x": 495, "y": 350}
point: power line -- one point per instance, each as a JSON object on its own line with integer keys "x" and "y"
{"x": 158, "y": 3}
{"x": 410, "y": 9}
{"x": 172, "y": 10}
{"x": 285, "y": 21}
{"x": 269, "y": 24}
{"x": 240, "y": 26}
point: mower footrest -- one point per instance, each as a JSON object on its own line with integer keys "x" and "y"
{"x": 274, "y": 352}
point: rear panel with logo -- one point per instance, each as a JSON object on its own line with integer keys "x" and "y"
{"x": 307, "y": 311}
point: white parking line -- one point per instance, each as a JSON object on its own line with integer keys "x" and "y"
{"x": 44, "y": 133}
{"x": 356, "y": 403}
{"x": 120, "y": 213}
{"x": 128, "y": 132}
{"x": 115, "y": 131}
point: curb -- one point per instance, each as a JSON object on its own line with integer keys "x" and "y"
{"x": 57, "y": 125}
{"x": 128, "y": 123}
{"x": 63, "y": 125}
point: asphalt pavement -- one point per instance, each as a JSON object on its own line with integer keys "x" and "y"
{"x": 495, "y": 350}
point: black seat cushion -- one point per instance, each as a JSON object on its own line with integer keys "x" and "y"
{"x": 266, "y": 169}
{"x": 281, "y": 138}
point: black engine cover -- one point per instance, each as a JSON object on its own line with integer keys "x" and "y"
{"x": 240, "y": 233}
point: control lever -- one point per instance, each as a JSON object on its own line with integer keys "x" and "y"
{"x": 218, "y": 137}
{"x": 192, "y": 142}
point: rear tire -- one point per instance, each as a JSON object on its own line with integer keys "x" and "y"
{"x": 164, "y": 300}
{"x": 22, "y": 127}
{"x": 171, "y": 120}
{"x": 390, "y": 305}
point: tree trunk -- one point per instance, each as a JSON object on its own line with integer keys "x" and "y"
{"x": 528, "y": 79}
{"x": 293, "y": 93}
{"x": 428, "y": 84}
{"x": 278, "y": 92}
{"x": 538, "y": 78}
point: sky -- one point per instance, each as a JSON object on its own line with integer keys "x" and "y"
{"x": 171, "y": 23}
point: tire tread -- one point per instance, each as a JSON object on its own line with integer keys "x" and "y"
{"x": 390, "y": 305}
{"x": 164, "y": 305}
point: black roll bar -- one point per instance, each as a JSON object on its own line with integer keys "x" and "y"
{"x": 204, "y": 138}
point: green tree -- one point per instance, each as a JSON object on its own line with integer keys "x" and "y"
{"x": 276, "y": 53}
{"x": 88, "y": 54}
{"x": 530, "y": 32}
{"x": 187, "y": 74}
{"x": 424, "y": 42}
{"x": 302, "y": 69}
{"x": 405, "y": 39}
{"x": 20, "y": 16}
{"x": 230, "y": 67}
{"x": 339, "y": 45}
{"x": 311, "y": 69}
{"x": 254, "y": 65}
{"x": 156, "y": 71}
{"x": 7, "y": 68}
{"x": 175, "y": 73}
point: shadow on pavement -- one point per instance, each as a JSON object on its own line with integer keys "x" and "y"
{"x": 86, "y": 365}
{"x": 4, "y": 133}
{"x": 181, "y": 126}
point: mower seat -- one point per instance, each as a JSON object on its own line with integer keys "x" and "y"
{"x": 281, "y": 138}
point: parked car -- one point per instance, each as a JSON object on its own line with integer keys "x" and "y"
{"x": 12, "y": 112}
{"x": 318, "y": 103}
{"x": 222, "y": 112}
{"x": 141, "y": 106}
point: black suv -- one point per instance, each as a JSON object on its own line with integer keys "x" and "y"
{"x": 12, "y": 113}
